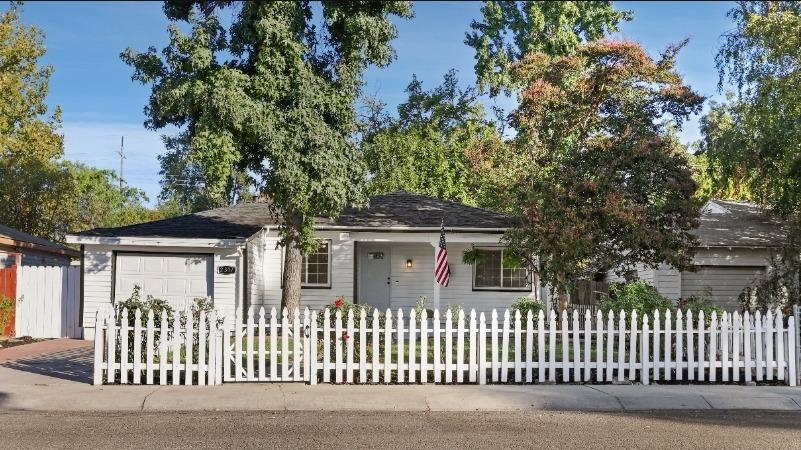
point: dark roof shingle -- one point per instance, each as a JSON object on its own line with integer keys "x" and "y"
{"x": 397, "y": 209}
{"x": 727, "y": 223}
{"x": 22, "y": 236}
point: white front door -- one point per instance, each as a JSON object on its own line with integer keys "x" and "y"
{"x": 374, "y": 275}
{"x": 177, "y": 278}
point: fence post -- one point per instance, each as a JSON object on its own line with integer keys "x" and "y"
{"x": 794, "y": 344}
{"x": 311, "y": 353}
{"x": 99, "y": 331}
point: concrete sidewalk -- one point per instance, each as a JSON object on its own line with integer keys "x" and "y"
{"x": 21, "y": 390}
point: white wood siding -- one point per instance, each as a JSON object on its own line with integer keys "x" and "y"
{"x": 407, "y": 284}
{"x": 98, "y": 277}
{"x": 460, "y": 290}
{"x": 724, "y": 284}
{"x": 265, "y": 284}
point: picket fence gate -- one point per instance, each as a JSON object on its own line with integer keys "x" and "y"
{"x": 323, "y": 347}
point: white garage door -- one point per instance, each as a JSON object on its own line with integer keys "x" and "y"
{"x": 178, "y": 279}
{"x": 723, "y": 283}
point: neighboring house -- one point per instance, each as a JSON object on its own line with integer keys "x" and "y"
{"x": 736, "y": 241}
{"x": 381, "y": 255}
{"x": 23, "y": 249}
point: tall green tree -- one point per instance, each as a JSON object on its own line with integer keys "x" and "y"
{"x": 423, "y": 149}
{"x": 100, "y": 203}
{"x": 761, "y": 56}
{"x": 185, "y": 180}
{"x": 34, "y": 189}
{"x": 760, "y": 144}
{"x": 595, "y": 174}
{"x": 509, "y": 30}
{"x": 275, "y": 96}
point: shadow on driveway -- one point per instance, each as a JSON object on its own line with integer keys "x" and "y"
{"x": 73, "y": 365}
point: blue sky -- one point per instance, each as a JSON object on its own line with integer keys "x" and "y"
{"x": 100, "y": 102}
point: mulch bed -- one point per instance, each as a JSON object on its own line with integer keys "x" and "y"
{"x": 7, "y": 342}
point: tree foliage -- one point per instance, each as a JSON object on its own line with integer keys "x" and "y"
{"x": 595, "y": 175}
{"x": 423, "y": 150}
{"x": 761, "y": 57}
{"x": 509, "y": 30}
{"x": 755, "y": 138}
{"x": 100, "y": 203}
{"x": 34, "y": 189}
{"x": 185, "y": 180}
{"x": 274, "y": 96}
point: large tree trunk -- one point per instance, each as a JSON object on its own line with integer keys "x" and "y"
{"x": 561, "y": 292}
{"x": 290, "y": 295}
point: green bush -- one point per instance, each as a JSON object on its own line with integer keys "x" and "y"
{"x": 156, "y": 306}
{"x": 701, "y": 302}
{"x": 525, "y": 304}
{"x": 6, "y": 308}
{"x": 637, "y": 296}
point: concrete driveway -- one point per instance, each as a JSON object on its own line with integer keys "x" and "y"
{"x": 57, "y": 359}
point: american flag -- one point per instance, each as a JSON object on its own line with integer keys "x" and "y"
{"x": 442, "y": 272}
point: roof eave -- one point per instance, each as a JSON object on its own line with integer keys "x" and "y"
{"x": 4, "y": 240}
{"x": 493, "y": 230}
{"x": 154, "y": 240}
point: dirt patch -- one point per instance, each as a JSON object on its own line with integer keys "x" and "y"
{"x": 8, "y": 342}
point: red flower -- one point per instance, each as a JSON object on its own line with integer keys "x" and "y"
{"x": 345, "y": 337}
{"x": 339, "y": 302}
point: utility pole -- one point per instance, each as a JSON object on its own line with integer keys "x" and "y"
{"x": 122, "y": 159}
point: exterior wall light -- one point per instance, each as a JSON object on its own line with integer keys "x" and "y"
{"x": 409, "y": 263}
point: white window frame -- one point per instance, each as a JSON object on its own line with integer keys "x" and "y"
{"x": 526, "y": 288}
{"x": 305, "y": 262}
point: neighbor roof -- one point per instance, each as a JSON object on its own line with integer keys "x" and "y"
{"x": 393, "y": 210}
{"x": 20, "y": 237}
{"x": 727, "y": 223}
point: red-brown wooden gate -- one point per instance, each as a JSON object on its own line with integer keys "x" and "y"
{"x": 8, "y": 288}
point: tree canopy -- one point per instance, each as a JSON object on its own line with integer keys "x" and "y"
{"x": 509, "y": 30}
{"x": 423, "y": 150}
{"x": 274, "y": 96}
{"x": 761, "y": 144}
{"x": 754, "y": 140}
{"x": 595, "y": 175}
{"x": 41, "y": 193}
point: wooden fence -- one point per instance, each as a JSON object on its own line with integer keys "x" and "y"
{"x": 404, "y": 347}
{"x": 48, "y": 301}
{"x": 8, "y": 289}
{"x": 179, "y": 350}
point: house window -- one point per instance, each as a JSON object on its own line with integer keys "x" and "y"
{"x": 316, "y": 268}
{"x": 489, "y": 272}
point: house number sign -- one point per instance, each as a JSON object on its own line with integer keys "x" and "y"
{"x": 226, "y": 270}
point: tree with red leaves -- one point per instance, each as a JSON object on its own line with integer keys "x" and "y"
{"x": 595, "y": 174}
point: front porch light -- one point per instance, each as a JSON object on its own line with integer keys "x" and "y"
{"x": 409, "y": 263}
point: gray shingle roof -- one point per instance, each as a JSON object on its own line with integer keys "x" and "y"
{"x": 726, "y": 223}
{"x": 22, "y": 236}
{"x": 397, "y": 209}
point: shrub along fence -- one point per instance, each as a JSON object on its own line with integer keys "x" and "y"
{"x": 411, "y": 347}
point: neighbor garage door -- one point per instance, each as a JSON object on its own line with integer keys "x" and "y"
{"x": 723, "y": 283}
{"x": 176, "y": 278}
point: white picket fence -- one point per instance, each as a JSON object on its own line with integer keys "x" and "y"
{"x": 405, "y": 348}
{"x": 170, "y": 353}
{"x": 48, "y": 301}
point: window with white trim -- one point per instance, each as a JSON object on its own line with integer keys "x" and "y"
{"x": 489, "y": 272}
{"x": 315, "y": 271}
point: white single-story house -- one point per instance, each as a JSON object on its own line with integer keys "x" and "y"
{"x": 735, "y": 243}
{"x": 23, "y": 249}
{"x": 381, "y": 255}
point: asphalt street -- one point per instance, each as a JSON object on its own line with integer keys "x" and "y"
{"x": 662, "y": 429}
